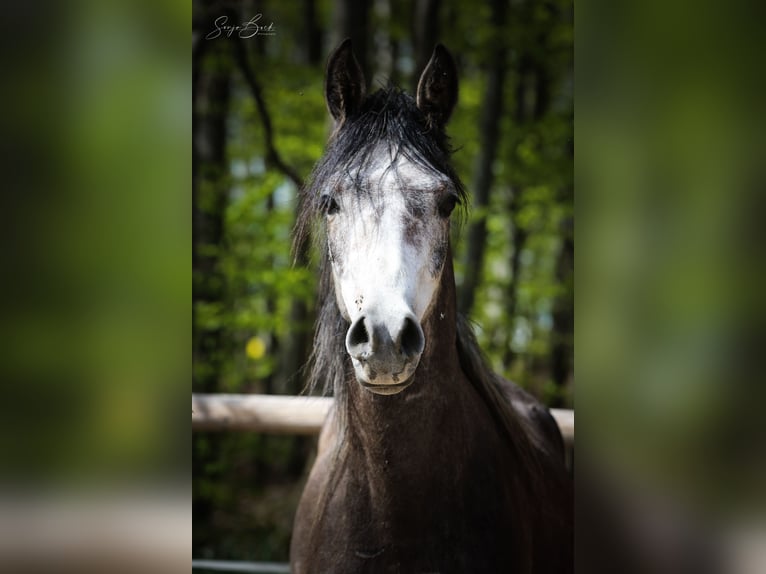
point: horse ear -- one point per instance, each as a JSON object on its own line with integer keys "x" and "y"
{"x": 437, "y": 88}
{"x": 344, "y": 85}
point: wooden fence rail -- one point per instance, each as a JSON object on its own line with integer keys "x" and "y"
{"x": 243, "y": 567}
{"x": 281, "y": 414}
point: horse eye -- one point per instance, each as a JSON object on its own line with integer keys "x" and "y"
{"x": 328, "y": 205}
{"x": 447, "y": 205}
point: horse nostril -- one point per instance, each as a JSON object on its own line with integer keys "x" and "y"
{"x": 367, "y": 340}
{"x": 411, "y": 338}
{"x": 357, "y": 338}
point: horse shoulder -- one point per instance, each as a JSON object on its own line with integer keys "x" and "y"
{"x": 308, "y": 507}
{"x": 544, "y": 429}
{"x": 546, "y": 437}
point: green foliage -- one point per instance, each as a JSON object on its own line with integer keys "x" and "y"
{"x": 255, "y": 258}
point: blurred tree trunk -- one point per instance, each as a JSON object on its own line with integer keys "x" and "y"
{"x": 384, "y": 48}
{"x": 425, "y": 32}
{"x": 313, "y": 35}
{"x": 271, "y": 309}
{"x": 562, "y": 344}
{"x": 518, "y": 234}
{"x": 210, "y": 106}
{"x": 351, "y": 20}
{"x": 518, "y": 241}
{"x": 489, "y": 134}
{"x": 295, "y": 351}
{"x": 562, "y": 351}
{"x": 532, "y": 104}
{"x": 243, "y": 10}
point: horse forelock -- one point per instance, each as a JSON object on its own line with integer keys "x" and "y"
{"x": 387, "y": 121}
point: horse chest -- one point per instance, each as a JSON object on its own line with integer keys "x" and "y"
{"x": 395, "y": 516}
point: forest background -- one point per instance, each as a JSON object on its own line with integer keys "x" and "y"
{"x": 259, "y": 125}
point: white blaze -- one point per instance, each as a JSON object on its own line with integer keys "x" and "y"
{"x": 380, "y": 269}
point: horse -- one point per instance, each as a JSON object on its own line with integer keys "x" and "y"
{"x": 428, "y": 461}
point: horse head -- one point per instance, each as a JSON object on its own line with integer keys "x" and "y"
{"x": 387, "y": 206}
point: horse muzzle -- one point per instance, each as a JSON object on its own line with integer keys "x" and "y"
{"x": 385, "y": 359}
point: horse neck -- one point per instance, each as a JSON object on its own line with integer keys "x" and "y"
{"x": 409, "y": 421}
